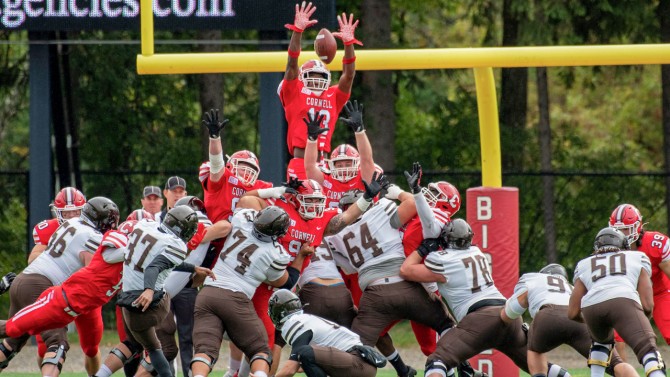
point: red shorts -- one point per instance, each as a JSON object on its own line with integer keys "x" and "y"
{"x": 260, "y": 301}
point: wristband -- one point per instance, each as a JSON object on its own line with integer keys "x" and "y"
{"x": 363, "y": 204}
{"x": 348, "y": 60}
{"x": 293, "y": 54}
{"x": 353, "y": 41}
{"x": 294, "y": 28}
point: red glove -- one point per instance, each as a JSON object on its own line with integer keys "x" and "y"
{"x": 347, "y": 28}
{"x": 302, "y": 14}
{"x": 197, "y": 237}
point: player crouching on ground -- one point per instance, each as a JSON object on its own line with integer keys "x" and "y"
{"x": 322, "y": 348}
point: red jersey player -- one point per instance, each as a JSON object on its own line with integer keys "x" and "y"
{"x": 347, "y": 166}
{"x": 306, "y": 89}
{"x": 310, "y": 222}
{"x": 67, "y": 205}
{"x": 655, "y": 245}
{"x": 224, "y": 184}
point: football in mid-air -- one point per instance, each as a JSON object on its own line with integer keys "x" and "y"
{"x": 325, "y": 46}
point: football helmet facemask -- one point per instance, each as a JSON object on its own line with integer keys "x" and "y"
{"x": 69, "y": 199}
{"x": 345, "y": 172}
{"x": 442, "y": 195}
{"x": 281, "y": 305}
{"x": 628, "y": 220}
{"x": 315, "y": 76}
{"x": 348, "y": 198}
{"x": 244, "y": 165}
{"x": 310, "y": 200}
{"x": 102, "y": 213}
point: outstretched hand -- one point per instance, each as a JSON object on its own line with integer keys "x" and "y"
{"x": 372, "y": 189}
{"x": 302, "y": 14}
{"x": 347, "y": 28}
{"x": 313, "y": 122}
{"x": 414, "y": 179}
{"x": 292, "y": 185}
{"x": 211, "y": 121}
{"x": 354, "y": 119}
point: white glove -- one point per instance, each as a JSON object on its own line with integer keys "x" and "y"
{"x": 272, "y": 192}
{"x": 393, "y": 192}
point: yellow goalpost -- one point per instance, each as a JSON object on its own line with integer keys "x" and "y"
{"x": 482, "y": 60}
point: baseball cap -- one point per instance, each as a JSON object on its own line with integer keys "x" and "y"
{"x": 152, "y": 190}
{"x": 174, "y": 182}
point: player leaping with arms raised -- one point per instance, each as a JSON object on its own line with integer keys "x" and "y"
{"x": 306, "y": 89}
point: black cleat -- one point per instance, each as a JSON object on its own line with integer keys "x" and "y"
{"x": 411, "y": 372}
{"x": 465, "y": 370}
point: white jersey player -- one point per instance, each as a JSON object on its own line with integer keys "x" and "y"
{"x": 148, "y": 240}
{"x": 542, "y": 289}
{"x": 244, "y": 262}
{"x": 613, "y": 292}
{"x": 372, "y": 245}
{"x": 62, "y": 256}
{"x": 251, "y": 255}
{"x": 319, "y": 346}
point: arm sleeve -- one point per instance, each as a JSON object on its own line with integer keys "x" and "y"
{"x": 302, "y": 340}
{"x": 151, "y": 272}
{"x": 293, "y": 276}
{"x": 93, "y": 243}
{"x": 114, "y": 255}
{"x": 185, "y": 267}
{"x": 431, "y": 225}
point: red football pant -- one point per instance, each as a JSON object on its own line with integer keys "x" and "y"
{"x": 120, "y": 329}
{"x": 662, "y": 315}
{"x": 296, "y": 169}
{"x": 351, "y": 281}
{"x": 260, "y": 301}
{"x": 48, "y": 312}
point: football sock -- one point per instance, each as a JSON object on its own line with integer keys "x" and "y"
{"x": 104, "y": 371}
{"x": 160, "y": 363}
{"x": 398, "y": 364}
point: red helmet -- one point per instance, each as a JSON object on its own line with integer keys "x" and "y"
{"x": 140, "y": 214}
{"x": 244, "y": 164}
{"x": 315, "y": 76}
{"x": 628, "y": 220}
{"x": 310, "y": 200}
{"x": 344, "y": 152}
{"x": 68, "y": 199}
{"x": 443, "y": 195}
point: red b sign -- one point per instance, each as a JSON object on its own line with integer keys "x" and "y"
{"x": 493, "y": 214}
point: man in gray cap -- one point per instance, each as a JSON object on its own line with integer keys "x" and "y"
{"x": 152, "y": 200}
{"x": 175, "y": 189}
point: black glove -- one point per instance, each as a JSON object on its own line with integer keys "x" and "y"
{"x": 292, "y": 185}
{"x": 313, "y": 123}
{"x": 211, "y": 121}
{"x": 427, "y": 246}
{"x": 414, "y": 179}
{"x": 375, "y": 186}
{"x": 6, "y": 282}
{"x": 354, "y": 114}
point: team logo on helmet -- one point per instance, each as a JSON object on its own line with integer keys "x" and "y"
{"x": 282, "y": 304}
{"x": 443, "y": 195}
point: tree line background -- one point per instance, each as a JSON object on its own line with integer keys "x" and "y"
{"x": 576, "y": 141}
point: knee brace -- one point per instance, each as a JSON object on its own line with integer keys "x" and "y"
{"x": 267, "y": 359}
{"x": 148, "y": 367}
{"x": 60, "y": 354}
{"x": 9, "y": 355}
{"x": 652, "y": 362}
{"x": 199, "y": 359}
{"x": 436, "y": 366}
{"x": 603, "y": 348}
{"x": 134, "y": 351}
